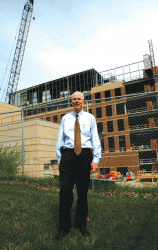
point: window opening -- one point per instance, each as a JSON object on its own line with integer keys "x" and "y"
{"x": 111, "y": 144}
{"x": 110, "y": 126}
{"x": 109, "y": 110}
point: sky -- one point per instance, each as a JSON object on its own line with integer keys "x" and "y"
{"x": 70, "y": 36}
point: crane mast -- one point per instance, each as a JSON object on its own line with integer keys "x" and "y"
{"x": 152, "y": 57}
{"x": 19, "y": 51}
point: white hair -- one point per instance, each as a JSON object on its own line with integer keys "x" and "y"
{"x": 78, "y": 92}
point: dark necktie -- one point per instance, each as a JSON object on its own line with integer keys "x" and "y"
{"x": 77, "y": 137}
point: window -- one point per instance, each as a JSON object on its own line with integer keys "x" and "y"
{"x": 104, "y": 170}
{"x": 90, "y": 111}
{"x": 110, "y": 126}
{"x": 65, "y": 93}
{"x": 111, "y": 144}
{"x": 47, "y": 118}
{"x": 46, "y": 167}
{"x": 122, "y": 170}
{"x": 46, "y": 96}
{"x": 62, "y": 115}
{"x": 34, "y": 99}
{"x": 99, "y": 112}
{"x": 120, "y": 109}
{"x": 102, "y": 145}
{"x": 54, "y": 162}
{"x": 118, "y": 92}
{"x": 122, "y": 143}
{"x": 100, "y": 127}
{"x": 120, "y": 124}
{"x": 97, "y": 96}
{"x": 109, "y": 110}
{"x": 24, "y": 99}
{"x": 49, "y": 108}
{"x": 55, "y": 118}
{"x": 87, "y": 97}
{"x": 107, "y": 95}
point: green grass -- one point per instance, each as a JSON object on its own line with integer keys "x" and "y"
{"x": 99, "y": 186}
{"x": 37, "y": 181}
{"x": 106, "y": 188}
{"x": 29, "y": 220}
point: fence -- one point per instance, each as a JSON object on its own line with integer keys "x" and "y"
{"x": 127, "y": 130}
{"x": 35, "y": 140}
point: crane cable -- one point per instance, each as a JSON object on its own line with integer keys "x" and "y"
{"x": 15, "y": 39}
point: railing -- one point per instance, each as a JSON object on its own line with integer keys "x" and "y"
{"x": 143, "y": 172}
{"x": 136, "y": 110}
{"x": 138, "y": 126}
{"x": 124, "y": 73}
{"x": 133, "y": 148}
{"x": 147, "y": 161}
{"x": 122, "y": 149}
{"x": 141, "y": 148}
{"x": 111, "y": 150}
{"x": 132, "y": 78}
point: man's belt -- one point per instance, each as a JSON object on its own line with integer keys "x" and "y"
{"x": 63, "y": 149}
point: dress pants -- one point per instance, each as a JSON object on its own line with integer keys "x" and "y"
{"x": 74, "y": 169}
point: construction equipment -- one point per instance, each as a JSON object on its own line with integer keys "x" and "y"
{"x": 19, "y": 51}
{"x": 143, "y": 174}
{"x": 114, "y": 175}
{"x": 130, "y": 176}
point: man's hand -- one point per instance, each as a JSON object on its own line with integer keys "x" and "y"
{"x": 94, "y": 166}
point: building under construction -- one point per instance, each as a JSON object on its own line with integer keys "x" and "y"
{"x": 124, "y": 101}
{"x": 58, "y": 91}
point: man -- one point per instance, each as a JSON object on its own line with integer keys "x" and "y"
{"x": 77, "y": 138}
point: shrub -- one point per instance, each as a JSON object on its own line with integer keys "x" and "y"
{"x": 10, "y": 161}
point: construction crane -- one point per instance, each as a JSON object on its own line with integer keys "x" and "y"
{"x": 152, "y": 58}
{"x": 19, "y": 51}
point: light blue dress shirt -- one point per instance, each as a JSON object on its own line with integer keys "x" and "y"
{"x": 89, "y": 134}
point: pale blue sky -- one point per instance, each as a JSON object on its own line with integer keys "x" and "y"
{"x": 71, "y": 36}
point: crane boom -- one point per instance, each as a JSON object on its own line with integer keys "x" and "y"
{"x": 19, "y": 51}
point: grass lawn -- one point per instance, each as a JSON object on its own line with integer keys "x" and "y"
{"x": 29, "y": 219}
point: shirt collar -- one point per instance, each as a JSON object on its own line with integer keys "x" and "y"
{"x": 80, "y": 113}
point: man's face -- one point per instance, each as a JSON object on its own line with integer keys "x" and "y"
{"x": 77, "y": 102}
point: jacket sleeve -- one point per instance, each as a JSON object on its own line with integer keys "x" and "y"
{"x": 96, "y": 145}
{"x": 60, "y": 141}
